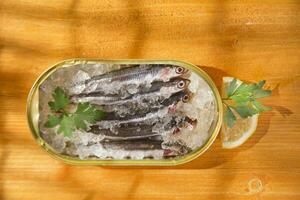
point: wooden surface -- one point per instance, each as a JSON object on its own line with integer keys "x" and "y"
{"x": 251, "y": 40}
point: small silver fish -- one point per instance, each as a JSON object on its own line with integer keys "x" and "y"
{"x": 113, "y": 121}
{"x": 115, "y": 81}
{"x": 137, "y": 144}
{"x": 149, "y": 118}
{"x": 173, "y": 125}
{"x": 158, "y": 90}
{"x": 173, "y": 149}
{"x": 161, "y": 72}
{"x": 170, "y": 149}
{"x": 147, "y": 105}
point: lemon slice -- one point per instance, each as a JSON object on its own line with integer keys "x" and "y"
{"x": 242, "y": 129}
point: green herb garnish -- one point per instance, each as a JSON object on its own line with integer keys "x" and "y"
{"x": 61, "y": 100}
{"x": 242, "y": 99}
{"x": 67, "y": 120}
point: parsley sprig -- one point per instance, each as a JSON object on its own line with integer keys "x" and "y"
{"x": 242, "y": 99}
{"x": 67, "y": 120}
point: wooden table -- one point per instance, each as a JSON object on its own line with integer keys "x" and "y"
{"x": 252, "y": 41}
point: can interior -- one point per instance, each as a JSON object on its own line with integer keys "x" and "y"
{"x": 33, "y": 117}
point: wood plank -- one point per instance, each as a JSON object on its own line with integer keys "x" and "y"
{"x": 251, "y": 40}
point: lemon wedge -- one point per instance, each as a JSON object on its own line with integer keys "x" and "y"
{"x": 242, "y": 129}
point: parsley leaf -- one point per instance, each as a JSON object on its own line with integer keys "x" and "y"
{"x": 245, "y": 110}
{"x": 260, "y": 84}
{"x": 243, "y": 100}
{"x": 67, "y": 126}
{"x": 232, "y": 87}
{"x": 60, "y": 100}
{"x": 67, "y": 121}
{"x": 229, "y": 117}
{"x": 86, "y": 113}
{"x": 260, "y": 108}
{"x": 262, "y": 93}
{"x": 52, "y": 121}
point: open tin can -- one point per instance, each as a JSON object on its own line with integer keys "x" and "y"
{"x": 33, "y": 114}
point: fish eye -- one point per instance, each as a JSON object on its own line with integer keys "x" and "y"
{"x": 179, "y": 70}
{"x": 181, "y": 84}
{"x": 185, "y": 98}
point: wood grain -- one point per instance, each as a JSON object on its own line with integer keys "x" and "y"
{"x": 251, "y": 40}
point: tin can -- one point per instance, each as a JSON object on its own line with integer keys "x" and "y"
{"x": 33, "y": 117}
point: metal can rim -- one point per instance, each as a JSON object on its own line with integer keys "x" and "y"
{"x": 145, "y": 162}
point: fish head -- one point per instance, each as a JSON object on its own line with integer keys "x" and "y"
{"x": 182, "y": 83}
{"x": 169, "y": 72}
{"x": 176, "y": 85}
{"x": 175, "y": 71}
{"x": 183, "y": 96}
{"x": 180, "y": 70}
{"x": 186, "y": 96}
{"x": 175, "y": 148}
{"x": 190, "y": 123}
{"x": 185, "y": 122}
